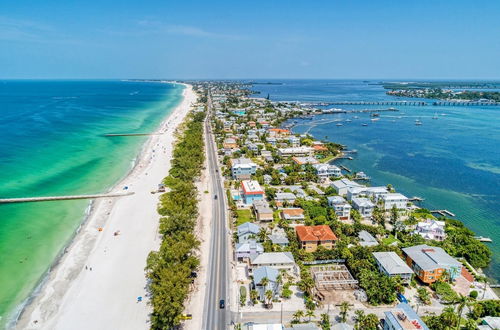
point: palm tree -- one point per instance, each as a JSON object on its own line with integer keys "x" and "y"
{"x": 309, "y": 314}
{"x": 449, "y": 317}
{"x": 298, "y": 315}
{"x": 344, "y": 309}
{"x": 359, "y": 316}
{"x": 264, "y": 282}
{"x": 461, "y": 302}
{"x": 325, "y": 321}
{"x": 262, "y": 234}
{"x": 254, "y": 295}
{"x": 269, "y": 297}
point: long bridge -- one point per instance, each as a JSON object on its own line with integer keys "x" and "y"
{"x": 404, "y": 103}
{"x": 59, "y": 198}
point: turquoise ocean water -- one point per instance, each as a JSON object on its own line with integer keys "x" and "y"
{"x": 52, "y": 143}
{"x": 453, "y": 161}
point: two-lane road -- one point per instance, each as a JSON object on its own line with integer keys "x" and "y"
{"x": 215, "y": 317}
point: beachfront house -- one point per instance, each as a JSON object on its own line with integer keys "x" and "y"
{"x": 430, "y": 263}
{"x": 269, "y": 273}
{"x": 403, "y": 317}
{"x": 431, "y": 229}
{"x": 242, "y": 168}
{"x": 364, "y": 206}
{"x": 247, "y": 250}
{"x": 390, "y": 264}
{"x": 397, "y": 200}
{"x": 312, "y": 237}
{"x": 341, "y": 206}
{"x": 341, "y": 186}
{"x": 251, "y": 191}
{"x": 247, "y": 231}
{"x": 370, "y": 192}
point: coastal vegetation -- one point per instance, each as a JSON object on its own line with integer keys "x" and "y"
{"x": 170, "y": 269}
{"x": 438, "y": 93}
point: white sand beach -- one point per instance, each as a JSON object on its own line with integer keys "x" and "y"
{"x": 97, "y": 282}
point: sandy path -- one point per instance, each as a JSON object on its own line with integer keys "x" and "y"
{"x": 76, "y": 297}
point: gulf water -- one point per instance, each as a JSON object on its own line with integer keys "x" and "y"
{"x": 452, "y": 161}
{"x": 52, "y": 143}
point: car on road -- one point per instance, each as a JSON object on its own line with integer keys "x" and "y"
{"x": 215, "y": 196}
{"x": 402, "y": 298}
{"x": 222, "y": 304}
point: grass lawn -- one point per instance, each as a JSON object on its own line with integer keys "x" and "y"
{"x": 243, "y": 216}
{"x": 389, "y": 240}
{"x": 326, "y": 159}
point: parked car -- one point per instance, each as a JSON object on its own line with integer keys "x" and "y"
{"x": 402, "y": 298}
{"x": 222, "y": 304}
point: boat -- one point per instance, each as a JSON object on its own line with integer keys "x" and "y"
{"x": 348, "y": 120}
{"x": 435, "y": 116}
{"x": 375, "y": 119}
{"x": 375, "y": 114}
{"x": 364, "y": 124}
{"x": 339, "y": 124}
{"x": 356, "y": 117}
{"x": 418, "y": 122}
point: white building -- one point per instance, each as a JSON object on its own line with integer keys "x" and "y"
{"x": 341, "y": 186}
{"x": 390, "y": 264}
{"x": 326, "y": 170}
{"x": 398, "y": 200}
{"x": 364, "y": 206}
{"x": 298, "y": 151}
{"x": 278, "y": 260}
{"x": 431, "y": 229}
{"x": 341, "y": 207}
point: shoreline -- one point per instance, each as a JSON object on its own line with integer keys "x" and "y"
{"x": 46, "y": 300}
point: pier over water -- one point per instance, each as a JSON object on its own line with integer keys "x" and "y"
{"x": 60, "y": 198}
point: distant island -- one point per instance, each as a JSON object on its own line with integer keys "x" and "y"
{"x": 447, "y": 94}
{"x": 441, "y": 84}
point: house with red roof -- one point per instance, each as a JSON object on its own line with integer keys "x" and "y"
{"x": 311, "y": 237}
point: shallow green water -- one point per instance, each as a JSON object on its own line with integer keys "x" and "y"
{"x": 52, "y": 143}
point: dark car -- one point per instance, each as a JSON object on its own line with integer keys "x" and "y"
{"x": 215, "y": 197}
{"x": 222, "y": 304}
{"x": 402, "y": 298}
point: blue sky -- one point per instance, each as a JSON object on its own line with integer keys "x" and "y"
{"x": 250, "y": 39}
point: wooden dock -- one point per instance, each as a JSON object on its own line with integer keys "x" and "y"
{"x": 443, "y": 213}
{"x": 61, "y": 198}
{"x": 345, "y": 168}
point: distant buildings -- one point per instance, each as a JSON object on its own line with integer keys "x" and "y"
{"x": 251, "y": 191}
{"x": 431, "y": 229}
{"x": 311, "y": 237}
{"x": 403, "y": 317}
{"x": 341, "y": 207}
{"x": 430, "y": 263}
{"x": 230, "y": 143}
{"x": 390, "y": 264}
